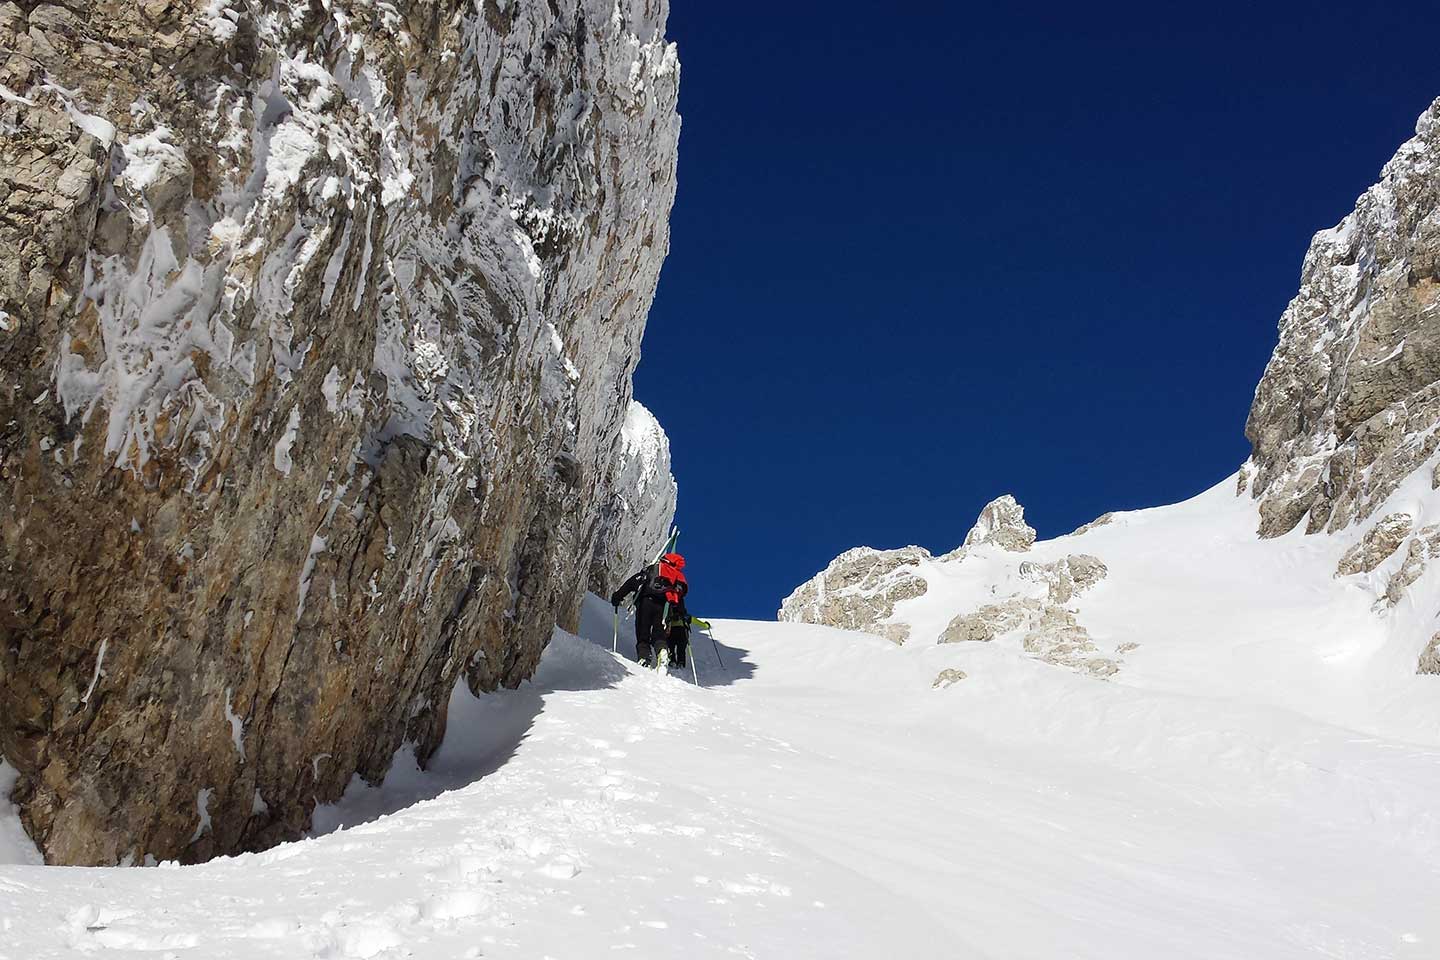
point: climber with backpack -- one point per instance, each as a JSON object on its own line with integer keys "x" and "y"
{"x": 659, "y": 600}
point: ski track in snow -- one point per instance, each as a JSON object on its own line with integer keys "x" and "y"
{"x": 817, "y": 798}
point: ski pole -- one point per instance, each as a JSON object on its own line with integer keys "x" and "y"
{"x": 711, "y": 635}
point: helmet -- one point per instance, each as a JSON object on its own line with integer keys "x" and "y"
{"x": 675, "y": 560}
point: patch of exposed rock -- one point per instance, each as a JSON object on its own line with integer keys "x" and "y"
{"x": 992, "y": 620}
{"x": 1422, "y": 549}
{"x": 317, "y": 324}
{"x": 1430, "y": 657}
{"x": 1068, "y": 578}
{"x": 636, "y": 520}
{"x": 947, "y": 677}
{"x": 1002, "y": 523}
{"x": 1103, "y": 520}
{"x": 859, "y": 590}
{"x": 1057, "y": 638}
{"x": 1376, "y": 546}
{"x": 1048, "y": 632}
{"x": 1350, "y": 401}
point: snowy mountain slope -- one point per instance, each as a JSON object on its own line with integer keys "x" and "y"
{"x": 1193, "y": 602}
{"x": 819, "y": 798}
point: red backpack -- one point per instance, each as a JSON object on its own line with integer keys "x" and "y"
{"x": 672, "y": 573}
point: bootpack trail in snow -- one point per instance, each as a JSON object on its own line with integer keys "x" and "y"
{"x": 820, "y": 796}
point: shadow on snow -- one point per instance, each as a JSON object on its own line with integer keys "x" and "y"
{"x": 483, "y": 733}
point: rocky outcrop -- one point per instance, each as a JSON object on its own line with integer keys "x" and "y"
{"x": 1430, "y": 657}
{"x": 947, "y": 677}
{"x": 635, "y": 521}
{"x": 1068, "y": 578}
{"x": 1104, "y": 519}
{"x": 1048, "y": 632}
{"x": 1422, "y": 549}
{"x": 859, "y": 591}
{"x": 992, "y": 620}
{"x": 1376, "y": 546}
{"x": 1349, "y": 404}
{"x": 318, "y": 324}
{"x": 1002, "y": 523}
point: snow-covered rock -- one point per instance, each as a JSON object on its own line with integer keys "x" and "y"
{"x": 317, "y": 322}
{"x": 1430, "y": 657}
{"x": 1421, "y": 549}
{"x": 866, "y": 589}
{"x": 1376, "y": 546}
{"x": 947, "y": 677}
{"x": 636, "y": 520}
{"x": 1044, "y": 628}
{"x": 1068, "y": 577}
{"x": 858, "y": 590}
{"x": 1002, "y": 523}
{"x": 1349, "y": 404}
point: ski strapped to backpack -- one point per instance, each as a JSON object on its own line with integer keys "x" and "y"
{"x": 669, "y": 548}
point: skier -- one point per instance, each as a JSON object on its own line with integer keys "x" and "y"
{"x": 660, "y": 592}
{"x": 678, "y": 636}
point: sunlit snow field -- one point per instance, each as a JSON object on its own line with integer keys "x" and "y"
{"x": 1260, "y": 780}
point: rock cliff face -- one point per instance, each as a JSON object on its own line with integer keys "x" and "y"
{"x": 1347, "y": 416}
{"x": 1350, "y": 402}
{"x": 636, "y": 520}
{"x": 317, "y": 325}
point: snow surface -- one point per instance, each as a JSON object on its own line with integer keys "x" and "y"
{"x": 1260, "y": 780}
{"x": 15, "y": 846}
{"x": 1218, "y": 612}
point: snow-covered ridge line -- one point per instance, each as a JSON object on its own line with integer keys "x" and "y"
{"x": 1346, "y": 435}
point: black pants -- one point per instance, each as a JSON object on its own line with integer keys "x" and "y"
{"x": 679, "y": 641}
{"x": 649, "y": 628}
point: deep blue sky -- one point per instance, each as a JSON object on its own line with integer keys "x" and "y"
{"x": 927, "y": 253}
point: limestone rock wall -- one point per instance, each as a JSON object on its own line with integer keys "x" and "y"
{"x": 1349, "y": 404}
{"x": 316, "y": 330}
{"x": 635, "y": 522}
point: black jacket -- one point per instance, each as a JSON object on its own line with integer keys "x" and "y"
{"x": 652, "y": 589}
